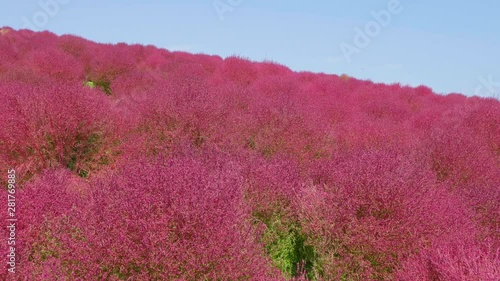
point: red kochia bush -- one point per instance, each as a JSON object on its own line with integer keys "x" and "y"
{"x": 365, "y": 211}
{"x": 49, "y": 125}
{"x": 453, "y": 260}
{"x": 239, "y": 71}
{"x": 55, "y": 64}
{"x": 177, "y": 218}
{"x": 463, "y": 155}
{"x": 43, "y": 207}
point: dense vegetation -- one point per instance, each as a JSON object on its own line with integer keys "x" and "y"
{"x": 136, "y": 163}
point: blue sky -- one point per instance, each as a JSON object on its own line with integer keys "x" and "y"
{"x": 450, "y": 46}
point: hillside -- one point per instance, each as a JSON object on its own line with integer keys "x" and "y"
{"x": 131, "y": 162}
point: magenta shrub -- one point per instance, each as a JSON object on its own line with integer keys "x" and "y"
{"x": 365, "y": 211}
{"x": 43, "y": 209}
{"x": 52, "y": 125}
{"x": 178, "y": 218}
{"x": 454, "y": 260}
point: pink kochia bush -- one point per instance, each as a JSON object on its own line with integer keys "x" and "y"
{"x": 454, "y": 260}
{"x": 177, "y": 218}
{"x": 137, "y": 163}
{"x": 48, "y": 125}
{"x": 367, "y": 211}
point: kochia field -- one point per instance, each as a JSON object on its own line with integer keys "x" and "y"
{"x": 136, "y": 163}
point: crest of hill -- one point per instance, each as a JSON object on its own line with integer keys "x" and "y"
{"x": 40, "y": 56}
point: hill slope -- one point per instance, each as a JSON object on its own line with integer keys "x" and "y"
{"x": 136, "y": 163}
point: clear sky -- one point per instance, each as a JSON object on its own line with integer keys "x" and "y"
{"x": 450, "y": 46}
